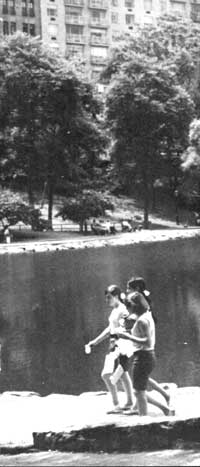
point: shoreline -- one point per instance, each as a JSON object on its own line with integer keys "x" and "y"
{"x": 81, "y": 242}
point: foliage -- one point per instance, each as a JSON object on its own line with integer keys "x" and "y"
{"x": 13, "y": 209}
{"x": 148, "y": 113}
{"x": 87, "y": 204}
{"x": 53, "y": 126}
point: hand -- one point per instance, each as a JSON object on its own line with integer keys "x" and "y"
{"x": 87, "y": 348}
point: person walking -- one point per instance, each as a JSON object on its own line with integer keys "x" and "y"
{"x": 137, "y": 284}
{"x": 143, "y": 337}
{"x": 119, "y": 350}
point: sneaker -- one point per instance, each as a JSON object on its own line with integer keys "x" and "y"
{"x": 170, "y": 412}
{"x": 115, "y": 410}
{"x": 131, "y": 412}
{"x": 127, "y": 407}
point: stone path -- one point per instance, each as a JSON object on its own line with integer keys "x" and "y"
{"x": 74, "y": 423}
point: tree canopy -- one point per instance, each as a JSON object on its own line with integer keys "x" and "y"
{"x": 89, "y": 203}
{"x": 150, "y": 103}
{"x": 53, "y": 130}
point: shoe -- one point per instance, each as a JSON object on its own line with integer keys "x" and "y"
{"x": 131, "y": 412}
{"x": 127, "y": 407}
{"x": 170, "y": 412}
{"x": 115, "y": 410}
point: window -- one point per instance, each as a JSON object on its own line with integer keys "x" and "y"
{"x": 97, "y": 16}
{"x": 114, "y": 17}
{"x": 95, "y": 74}
{"x": 163, "y": 6}
{"x": 32, "y": 29}
{"x": 53, "y": 31}
{"x": 5, "y": 7}
{"x": 98, "y": 37}
{"x": 129, "y": 3}
{"x": 25, "y": 28}
{"x": 5, "y": 28}
{"x": 147, "y": 6}
{"x": 52, "y": 11}
{"x": 74, "y": 50}
{"x": 195, "y": 13}
{"x": 73, "y": 29}
{"x": 178, "y": 8}
{"x": 13, "y": 28}
{"x": 99, "y": 52}
{"x": 12, "y": 7}
{"x": 130, "y": 19}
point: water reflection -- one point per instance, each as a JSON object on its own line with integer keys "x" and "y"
{"x": 52, "y": 303}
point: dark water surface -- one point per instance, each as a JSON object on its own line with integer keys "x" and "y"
{"x": 52, "y": 303}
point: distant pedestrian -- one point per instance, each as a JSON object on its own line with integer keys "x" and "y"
{"x": 7, "y": 235}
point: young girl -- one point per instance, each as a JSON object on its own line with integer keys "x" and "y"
{"x": 119, "y": 349}
{"x": 138, "y": 284}
{"x": 143, "y": 337}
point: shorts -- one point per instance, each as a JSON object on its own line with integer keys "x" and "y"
{"x": 124, "y": 361}
{"x": 143, "y": 364}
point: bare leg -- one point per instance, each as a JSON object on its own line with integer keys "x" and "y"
{"x": 141, "y": 397}
{"x": 127, "y": 384}
{"x": 163, "y": 407}
{"x": 112, "y": 388}
{"x": 159, "y": 388}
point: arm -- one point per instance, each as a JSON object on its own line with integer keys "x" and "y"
{"x": 101, "y": 337}
{"x": 143, "y": 331}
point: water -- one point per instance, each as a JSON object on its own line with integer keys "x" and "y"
{"x": 52, "y": 303}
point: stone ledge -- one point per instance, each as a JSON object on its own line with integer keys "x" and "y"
{"x": 115, "y": 438}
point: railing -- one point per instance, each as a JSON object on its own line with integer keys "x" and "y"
{"x": 99, "y": 40}
{"x": 101, "y": 4}
{"x": 74, "y": 19}
{"x": 98, "y": 60}
{"x": 75, "y": 38}
{"x": 101, "y": 23}
{"x": 74, "y": 2}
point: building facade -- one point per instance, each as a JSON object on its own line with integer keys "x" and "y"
{"x": 87, "y": 28}
{"x": 22, "y": 15}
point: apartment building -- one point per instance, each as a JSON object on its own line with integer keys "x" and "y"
{"x": 87, "y": 28}
{"x": 22, "y": 15}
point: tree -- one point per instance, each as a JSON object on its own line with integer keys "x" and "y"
{"x": 87, "y": 204}
{"x": 174, "y": 45}
{"x": 53, "y": 117}
{"x": 147, "y": 110}
{"x": 191, "y": 167}
{"x": 14, "y": 209}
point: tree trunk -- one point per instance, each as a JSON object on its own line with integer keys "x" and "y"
{"x": 146, "y": 200}
{"x": 50, "y": 202}
{"x": 153, "y": 197}
{"x": 30, "y": 186}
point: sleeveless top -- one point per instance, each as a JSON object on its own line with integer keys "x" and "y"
{"x": 117, "y": 322}
{"x": 147, "y": 319}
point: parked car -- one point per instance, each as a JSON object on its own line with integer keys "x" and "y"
{"x": 102, "y": 227}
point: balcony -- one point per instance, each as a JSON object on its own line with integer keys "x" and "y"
{"x": 74, "y": 2}
{"x": 99, "y": 22}
{"x": 75, "y": 38}
{"x": 95, "y": 40}
{"x": 96, "y": 60}
{"x": 98, "y": 4}
{"x": 69, "y": 19}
